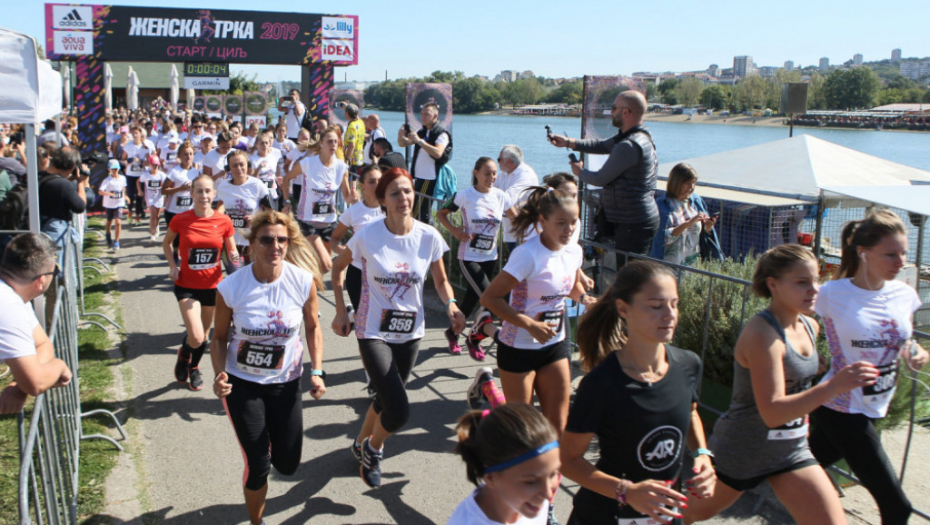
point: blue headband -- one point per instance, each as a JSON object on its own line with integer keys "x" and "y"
{"x": 522, "y": 457}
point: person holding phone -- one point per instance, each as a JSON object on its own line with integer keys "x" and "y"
{"x": 294, "y": 113}
{"x": 683, "y": 218}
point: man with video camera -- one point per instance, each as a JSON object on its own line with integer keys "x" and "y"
{"x": 294, "y": 111}
{"x": 62, "y": 193}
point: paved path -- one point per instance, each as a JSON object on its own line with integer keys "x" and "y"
{"x": 183, "y": 466}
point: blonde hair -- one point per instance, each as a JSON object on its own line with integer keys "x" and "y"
{"x": 299, "y": 251}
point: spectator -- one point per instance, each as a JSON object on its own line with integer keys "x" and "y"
{"x": 294, "y": 113}
{"x": 514, "y": 177}
{"x": 682, "y": 218}
{"x": 437, "y": 143}
{"x": 374, "y": 131}
{"x": 60, "y": 197}
{"x": 27, "y": 271}
{"x": 384, "y": 155}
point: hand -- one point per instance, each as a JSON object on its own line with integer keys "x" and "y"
{"x": 696, "y": 219}
{"x": 710, "y": 222}
{"x": 918, "y": 359}
{"x": 559, "y": 141}
{"x": 541, "y": 331}
{"x": 341, "y": 323}
{"x": 317, "y": 387}
{"x": 587, "y": 282}
{"x": 64, "y": 378}
{"x": 12, "y": 399}
{"x": 186, "y": 185}
{"x": 588, "y": 300}
{"x": 457, "y": 318}
{"x": 576, "y": 167}
{"x": 174, "y": 273}
{"x": 649, "y": 497}
{"x": 858, "y": 374}
{"x": 461, "y": 234}
{"x": 705, "y": 480}
{"x": 221, "y": 386}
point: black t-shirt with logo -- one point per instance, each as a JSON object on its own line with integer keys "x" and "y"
{"x": 641, "y": 429}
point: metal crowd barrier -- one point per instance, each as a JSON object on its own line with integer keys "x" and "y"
{"x": 600, "y": 269}
{"x": 50, "y": 444}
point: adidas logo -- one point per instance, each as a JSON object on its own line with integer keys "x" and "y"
{"x": 73, "y": 19}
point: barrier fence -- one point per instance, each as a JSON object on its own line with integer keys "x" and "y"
{"x": 50, "y": 440}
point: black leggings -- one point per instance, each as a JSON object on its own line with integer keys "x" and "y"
{"x": 479, "y": 276}
{"x": 852, "y": 437}
{"x": 177, "y": 238}
{"x": 269, "y": 426}
{"x": 423, "y": 209}
{"x": 389, "y": 366}
{"x": 136, "y": 199}
{"x": 353, "y": 285}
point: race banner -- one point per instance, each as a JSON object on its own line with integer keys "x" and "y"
{"x": 599, "y": 95}
{"x": 256, "y": 108}
{"x": 338, "y": 98}
{"x": 233, "y": 106}
{"x": 419, "y": 95}
{"x": 156, "y": 34}
{"x": 200, "y": 104}
{"x": 213, "y": 105}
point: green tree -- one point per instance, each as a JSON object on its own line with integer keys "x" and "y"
{"x": 689, "y": 91}
{"x": 816, "y": 97}
{"x": 238, "y": 84}
{"x": 714, "y": 97}
{"x": 901, "y": 82}
{"x": 752, "y": 92}
{"x": 473, "y": 95}
{"x": 567, "y": 93}
{"x": 523, "y": 92}
{"x": 388, "y": 95}
{"x": 667, "y": 89}
{"x": 652, "y": 91}
{"x": 852, "y": 88}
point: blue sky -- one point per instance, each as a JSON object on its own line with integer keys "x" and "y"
{"x": 578, "y": 37}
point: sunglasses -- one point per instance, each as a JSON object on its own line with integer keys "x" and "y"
{"x": 269, "y": 240}
{"x": 54, "y": 273}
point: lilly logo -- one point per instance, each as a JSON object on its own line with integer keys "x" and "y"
{"x": 338, "y": 27}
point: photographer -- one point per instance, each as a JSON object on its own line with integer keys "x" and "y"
{"x": 294, "y": 113}
{"x": 62, "y": 194}
{"x": 627, "y": 211}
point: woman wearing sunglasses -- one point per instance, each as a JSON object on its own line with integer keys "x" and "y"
{"x": 202, "y": 233}
{"x": 257, "y": 351}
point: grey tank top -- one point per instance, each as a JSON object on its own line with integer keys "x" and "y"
{"x": 744, "y": 446}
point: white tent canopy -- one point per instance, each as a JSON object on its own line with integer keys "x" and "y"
{"x": 796, "y": 168}
{"x": 914, "y": 199}
{"x": 31, "y": 89}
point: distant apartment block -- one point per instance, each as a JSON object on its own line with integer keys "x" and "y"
{"x": 895, "y": 55}
{"x": 767, "y": 71}
{"x": 824, "y": 64}
{"x": 526, "y": 74}
{"x": 915, "y": 69}
{"x": 857, "y": 59}
{"x": 714, "y": 70}
{"x": 509, "y": 76}
{"x": 789, "y": 65}
{"x": 742, "y": 66}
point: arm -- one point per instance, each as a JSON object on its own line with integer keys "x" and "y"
{"x": 493, "y": 300}
{"x": 37, "y": 373}
{"x": 338, "y": 234}
{"x": 760, "y": 350}
{"x": 173, "y": 270}
{"x": 704, "y": 480}
{"x": 460, "y": 233}
{"x": 295, "y": 170}
{"x": 314, "y": 342}
{"x": 444, "y": 289}
{"x": 338, "y": 274}
{"x": 433, "y": 151}
{"x": 579, "y": 293}
{"x": 231, "y": 249}
{"x": 406, "y": 140}
{"x": 219, "y": 347}
{"x": 623, "y": 155}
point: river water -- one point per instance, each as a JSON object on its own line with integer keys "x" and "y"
{"x": 483, "y": 135}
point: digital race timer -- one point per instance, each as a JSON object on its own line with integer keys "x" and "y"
{"x": 206, "y": 69}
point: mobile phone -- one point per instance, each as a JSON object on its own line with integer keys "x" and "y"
{"x": 548, "y": 133}
{"x": 406, "y": 128}
{"x": 572, "y": 157}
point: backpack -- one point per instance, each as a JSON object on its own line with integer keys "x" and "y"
{"x": 14, "y": 205}
{"x": 306, "y": 121}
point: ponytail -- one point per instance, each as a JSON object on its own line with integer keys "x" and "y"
{"x": 541, "y": 201}
{"x": 601, "y": 330}
{"x": 866, "y": 233}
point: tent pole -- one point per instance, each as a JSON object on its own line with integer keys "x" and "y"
{"x": 920, "y": 249}
{"x": 819, "y": 227}
{"x": 32, "y": 177}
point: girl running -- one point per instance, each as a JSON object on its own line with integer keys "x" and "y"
{"x": 395, "y": 255}
{"x": 640, "y": 399}
{"x": 263, "y": 164}
{"x": 149, "y": 185}
{"x": 257, "y": 351}
{"x": 512, "y": 454}
{"x": 115, "y": 198}
{"x": 482, "y": 206}
{"x": 763, "y": 435}
{"x": 241, "y": 198}
{"x": 135, "y": 154}
{"x": 867, "y": 315}
{"x": 202, "y": 233}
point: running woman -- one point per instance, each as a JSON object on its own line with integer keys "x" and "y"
{"x": 177, "y": 186}
{"x": 322, "y": 177}
{"x": 113, "y": 189}
{"x": 241, "y": 198}
{"x": 395, "y": 255}
{"x": 512, "y": 454}
{"x": 202, "y": 233}
{"x": 214, "y": 162}
{"x": 640, "y": 399}
{"x": 150, "y": 185}
{"x": 257, "y": 351}
{"x": 482, "y": 207}
{"x": 263, "y": 164}
{"x": 763, "y": 435}
{"x": 533, "y": 354}
{"x": 134, "y": 154}
{"x": 867, "y": 315}
{"x": 292, "y": 190}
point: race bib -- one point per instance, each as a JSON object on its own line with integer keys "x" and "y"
{"x": 117, "y": 195}
{"x": 553, "y": 319}
{"x": 260, "y": 360}
{"x": 397, "y": 323}
{"x": 184, "y": 202}
{"x": 795, "y": 429}
{"x": 203, "y": 258}
{"x": 481, "y": 243}
{"x": 886, "y": 380}
{"x": 154, "y": 184}
{"x": 240, "y": 221}
{"x": 136, "y": 166}
{"x": 322, "y": 208}
{"x": 269, "y": 183}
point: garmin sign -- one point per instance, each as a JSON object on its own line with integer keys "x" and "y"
{"x": 218, "y": 83}
{"x": 123, "y": 33}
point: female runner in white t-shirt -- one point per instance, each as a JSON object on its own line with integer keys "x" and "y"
{"x": 257, "y": 353}
{"x": 241, "y": 198}
{"x": 263, "y": 164}
{"x": 867, "y": 316}
{"x": 149, "y": 185}
{"x": 512, "y": 454}
{"x": 395, "y": 255}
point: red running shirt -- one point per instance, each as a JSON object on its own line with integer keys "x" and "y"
{"x": 201, "y": 241}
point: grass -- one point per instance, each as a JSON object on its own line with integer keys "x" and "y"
{"x": 97, "y": 457}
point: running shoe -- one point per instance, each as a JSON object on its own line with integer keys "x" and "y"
{"x": 115, "y": 245}
{"x": 196, "y": 379}
{"x": 453, "y": 340}
{"x": 475, "y": 397}
{"x": 476, "y": 333}
{"x": 181, "y": 371}
{"x": 370, "y": 469}
{"x": 356, "y": 450}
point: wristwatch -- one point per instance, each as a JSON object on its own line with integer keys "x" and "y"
{"x": 315, "y": 372}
